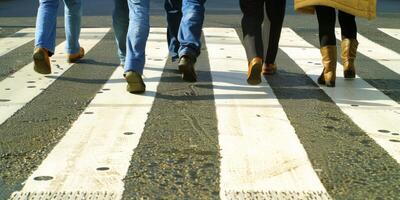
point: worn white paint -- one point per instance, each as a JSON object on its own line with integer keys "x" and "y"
{"x": 377, "y": 52}
{"x": 16, "y": 40}
{"x": 98, "y": 139}
{"x": 14, "y": 89}
{"x": 395, "y": 33}
{"x": 375, "y": 110}
{"x": 261, "y": 154}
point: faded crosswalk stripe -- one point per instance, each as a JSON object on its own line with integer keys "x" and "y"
{"x": 261, "y": 154}
{"x": 382, "y": 55}
{"x": 93, "y": 157}
{"x": 395, "y": 33}
{"x": 22, "y": 86}
{"x": 369, "y": 108}
{"x": 16, "y": 40}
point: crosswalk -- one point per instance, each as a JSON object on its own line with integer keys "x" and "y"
{"x": 261, "y": 154}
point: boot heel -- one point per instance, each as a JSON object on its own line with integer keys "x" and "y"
{"x": 349, "y": 74}
{"x": 330, "y": 83}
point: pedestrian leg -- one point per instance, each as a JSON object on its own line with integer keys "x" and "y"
{"x": 276, "y": 13}
{"x": 173, "y": 10}
{"x": 73, "y": 13}
{"x": 120, "y": 25}
{"x": 349, "y": 43}
{"x": 253, "y": 16}
{"x": 326, "y": 21}
{"x": 138, "y": 32}
{"x": 189, "y": 37}
{"x": 45, "y": 35}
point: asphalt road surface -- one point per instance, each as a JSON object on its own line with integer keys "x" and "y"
{"x": 77, "y": 134}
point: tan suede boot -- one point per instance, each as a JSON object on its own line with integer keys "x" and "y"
{"x": 329, "y": 59}
{"x": 349, "y": 51}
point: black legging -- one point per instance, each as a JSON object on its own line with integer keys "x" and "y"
{"x": 253, "y": 17}
{"x": 327, "y": 19}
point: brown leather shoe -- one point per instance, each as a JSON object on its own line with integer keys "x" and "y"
{"x": 74, "y": 57}
{"x": 269, "y": 69}
{"x": 41, "y": 61}
{"x": 135, "y": 82}
{"x": 254, "y": 71}
{"x": 329, "y": 60}
{"x": 349, "y": 51}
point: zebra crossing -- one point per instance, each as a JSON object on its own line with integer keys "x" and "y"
{"x": 261, "y": 155}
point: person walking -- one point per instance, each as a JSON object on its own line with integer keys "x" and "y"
{"x": 185, "y": 21}
{"x": 326, "y": 15}
{"x": 261, "y": 62}
{"x": 45, "y": 34}
{"x": 131, "y": 26}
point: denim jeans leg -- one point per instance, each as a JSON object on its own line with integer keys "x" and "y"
{"x": 191, "y": 27}
{"x": 72, "y": 13}
{"x": 46, "y": 23}
{"x": 120, "y": 25}
{"x": 173, "y": 9}
{"x": 138, "y": 33}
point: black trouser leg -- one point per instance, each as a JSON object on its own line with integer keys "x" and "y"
{"x": 348, "y": 25}
{"x": 326, "y": 21}
{"x": 253, "y": 16}
{"x": 276, "y": 13}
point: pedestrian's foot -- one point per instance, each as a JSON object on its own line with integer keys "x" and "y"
{"x": 135, "y": 82}
{"x": 269, "y": 69}
{"x": 254, "y": 71}
{"x": 75, "y": 57}
{"x": 41, "y": 61}
{"x": 186, "y": 67}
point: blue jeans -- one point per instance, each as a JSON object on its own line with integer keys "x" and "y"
{"x": 185, "y": 21}
{"x": 131, "y": 26}
{"x": 46, "y": 24}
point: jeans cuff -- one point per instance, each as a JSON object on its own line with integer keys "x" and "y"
{"x": 188, "y": 52}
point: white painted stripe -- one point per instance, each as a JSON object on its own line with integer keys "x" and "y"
{"x": 16, "y": 40}
{"x": 395, "y": 33}
{"x": 260, "y": 151}
{"x": 98, "y": 140}
{"x": 375, "y": 110}
{"x": 377, "y": 52}
{"x": 14, "y": 89}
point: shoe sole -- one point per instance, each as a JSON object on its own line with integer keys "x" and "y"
{"x": 255, "y": 74}
{"x": 188, "y": 73}
{"x": 40, "y": 64}
{"x": 135, "y": 85}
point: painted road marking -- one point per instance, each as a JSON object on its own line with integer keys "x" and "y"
{"x": 16, "y": 40}
{"x": 261, "y": 154}
{"x": 395, "y": 33}
{"x": 95, "y": 153}
{"x": 374, "y": 112}
{"x": 22, "y": 86}
{"x": 377, "y": 52}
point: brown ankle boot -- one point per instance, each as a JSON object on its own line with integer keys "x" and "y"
{"x": 41, "y": 61}
{"x": 349, "y": 51}
{"x": 269, "y": 69}
{"x": 254, "y": 71}
{"x": 329, "y": 59}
